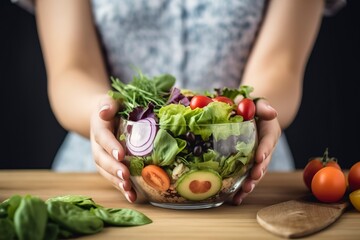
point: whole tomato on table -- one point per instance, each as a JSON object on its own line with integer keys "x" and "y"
{"x": 329, "y": 184}
{"x": 354, "y": 177}
{"x": 315, "y": 164}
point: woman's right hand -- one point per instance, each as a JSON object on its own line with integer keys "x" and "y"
{"x": 106, "y": 149}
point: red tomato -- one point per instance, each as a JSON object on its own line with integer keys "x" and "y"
{"x": 354, "y": 177}
{"x": 332, "y": 163}
{"x": 312, "y": 167}
{"x": 329, "y": 185}
{"x": 315, "y": 164}
{"x": 246, "y": 108}
{"x": 223, "y": 99}
{"x": 199, "y": 101}
{"x": 156, "y": 177}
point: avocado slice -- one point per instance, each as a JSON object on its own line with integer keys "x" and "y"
{"x": 198, "y": 185}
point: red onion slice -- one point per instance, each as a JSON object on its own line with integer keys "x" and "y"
{"x": 140, "y": 140}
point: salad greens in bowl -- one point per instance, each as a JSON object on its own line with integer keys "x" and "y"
{"x": 185, "y": 150}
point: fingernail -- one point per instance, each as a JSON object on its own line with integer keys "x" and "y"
{"x": 121, "y": 185}
{"x": 238, "y": 201}
{"x": 120, "y": 174}
{"x": 264, "y": 157}
{"x": 115, "y": 154}
{"x": 105, "y": 107}
{"x": 271, "y": 108}
{"x": 127, "y": 197}
{"x": 252, "y": 187}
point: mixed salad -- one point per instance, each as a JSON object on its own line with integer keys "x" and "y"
{"x": 182, "y": 143}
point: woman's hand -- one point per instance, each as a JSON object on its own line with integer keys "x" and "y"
{"x": 269, "y": 132}
{"x": 107, "y": 151}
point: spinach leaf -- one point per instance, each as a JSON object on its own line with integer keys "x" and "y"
{"x": 78, "y": 200}
{"x": 63, "y": 233}
{"x": 51, "y": 231}
{"x": 166, "y": 148}
{"x": 121, "y": 217}
{"x": 9, "y": 206}
{"x": 60, "y": 217}
{"x": 74, "y": 218}
{"x": 30, "y": 218}
{"x": 7, "y": 231}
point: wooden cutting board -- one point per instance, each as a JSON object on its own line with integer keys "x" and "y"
{"x": 300, "y": 217}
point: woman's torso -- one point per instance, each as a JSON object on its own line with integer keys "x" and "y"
{"x": 203, "y": 43}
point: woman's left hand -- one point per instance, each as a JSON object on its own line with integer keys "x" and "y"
{"x": 269, "y": 132}
{"x": 107, "y": 150}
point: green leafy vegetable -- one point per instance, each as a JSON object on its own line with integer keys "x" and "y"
{"x": 142, "y": 91}
{"x": 136, "y": 165}
{"x": 166, "y": 148}
{"x": 7, "y": 230}
{"x": 8, "y": 207}
{"x": 52, "y": 231}
{"x": 74, "y": 218}
{"x": 78, "y": 200}
{"x": 28, "y": 217}
{"x": 121, "y": 217}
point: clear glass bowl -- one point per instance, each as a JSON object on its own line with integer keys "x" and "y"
{"x": 199, "y": 168}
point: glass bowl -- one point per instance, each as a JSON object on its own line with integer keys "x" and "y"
{"x": 173, "y": 167}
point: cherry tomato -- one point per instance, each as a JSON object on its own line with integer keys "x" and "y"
{"x": 312, "y": 167}
{"x": 246, "y": 108}
{"x": 199, "y": 101}
{"x": 328, "y": 184}
{"x": 156, "y": 177}
{"x": 354, "y": 177}
{"x": 332, "y": 163}
{"x": 315, "y": 164}
{"x": 223, "y": 99}
{"x": 355, "y": 199}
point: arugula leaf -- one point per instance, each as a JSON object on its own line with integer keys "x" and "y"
{"x": 142, "y": 91}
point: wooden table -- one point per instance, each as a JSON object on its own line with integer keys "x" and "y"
{"x": 224, "y": 222}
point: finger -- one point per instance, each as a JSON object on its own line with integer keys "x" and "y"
{"x": 247, "y": 187}
{"x": 108, "y": 107}
{"x": 257, "y": 173}
{"x": 105, "y": 138}
{"x": 107, "y": 162}
{"x": 259, "y": 169}
{"x": 264, "y": 110}
{"x": 102, "y": 132}
{"x": 127, "y": 191}
{"x": 269, "y": 133}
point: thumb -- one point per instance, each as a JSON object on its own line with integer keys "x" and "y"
{"x": 108, "y": 107}
{"x": 264, "y": 110}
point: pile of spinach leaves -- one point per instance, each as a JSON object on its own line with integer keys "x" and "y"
{"x": 29, "y": 217}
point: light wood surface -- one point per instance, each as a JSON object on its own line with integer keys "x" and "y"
{"x": 224, "y": 222}
{"x": 299, "y": 217}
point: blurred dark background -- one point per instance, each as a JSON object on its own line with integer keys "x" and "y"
{"x": 328, "y": 116}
